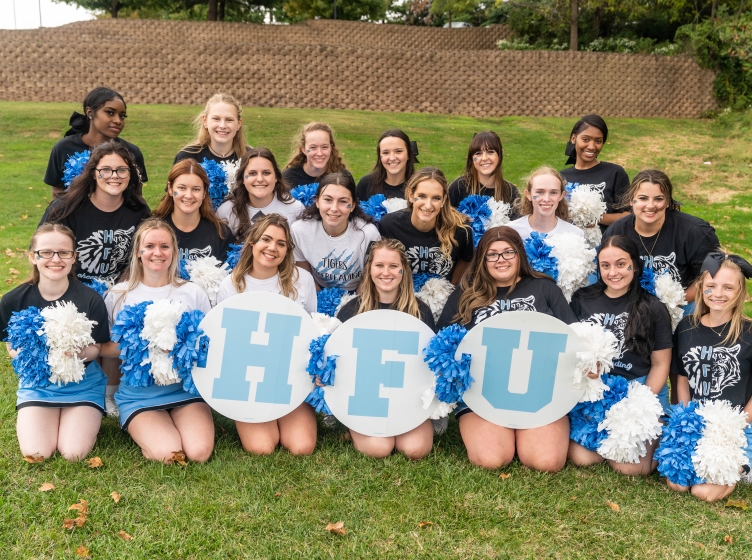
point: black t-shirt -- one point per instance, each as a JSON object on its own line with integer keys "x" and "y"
{"x": 424, "y": 248}
{"x": 204, "y": 241}
{"x": 458, "y": 192}
{"x": 714, "y": 372}
{"x": 73, "y": 144}
{"x": 615, "y": 178}
{"x": 103, "y": 239}
{"x": 611, "y": 314}
{"x": 366, "y": 183}
{"x": 206, "y": 153}
{"x": 679, "y": 248}
{"x": 530, "y": 294}
{"x": 296, "y": 176}
{"x": 86, "y": 300}
{"x": 350, "y": 309}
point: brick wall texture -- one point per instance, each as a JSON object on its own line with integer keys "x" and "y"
{"x": 343, "y": 65}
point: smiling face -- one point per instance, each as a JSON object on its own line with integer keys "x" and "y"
{"x": 335, "y": 203}
{"x": 156, "y": 250}
{"x": 427, "y": 198}
{"x": 187, "y": 191}
{"x": 222, "y": 122}
{"x": 588, "y": 144}
{"x": 485, "y": 162}
{"x": 317, "y": 148}
{"x": 108, "y": 120}
{"x": 617, "y": 270}
{"x": 386, "y": 272}
{"x": 545, "y": 194}
{"x": 649, "y": 204}
{"x": 259, "y": 180}
{"x": 54, "y": 268}
{"x": 115, "y": 185}
{"x": 503, "y": 271}
{"x": 393, "y": 155}
{"x": 721, "y": 292}
{"x": 270, "y": 250}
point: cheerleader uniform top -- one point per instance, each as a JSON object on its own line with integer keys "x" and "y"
{"x": 304, "y": 285}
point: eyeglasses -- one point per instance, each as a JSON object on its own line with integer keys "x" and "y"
{"x": 507, "y": 255}
{"x": 120, "y": 172}
{"x": 46, "y": 254}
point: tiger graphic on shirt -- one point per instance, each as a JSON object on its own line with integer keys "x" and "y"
{"x": 502, "y": 305}
{"x": 710, "y": 369}
{"x": 663, "y": 263}
{"x": 614, "y": 323}
{"x": 104, "y": 253}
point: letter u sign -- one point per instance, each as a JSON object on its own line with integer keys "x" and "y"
{"x": 523, "y": 364}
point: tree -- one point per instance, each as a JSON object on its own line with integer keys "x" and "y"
{"x": 453, "y": 7}
{"x": 357, "y": 10}
{"x": 110, "y": 6}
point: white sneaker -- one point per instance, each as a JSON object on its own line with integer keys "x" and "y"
{"x": 440, "y": 426}
{"x": 111, "y": 407}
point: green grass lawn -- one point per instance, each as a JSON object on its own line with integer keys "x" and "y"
{"x": 239, "y": 506}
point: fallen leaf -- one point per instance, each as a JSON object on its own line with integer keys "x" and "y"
{"x": 77, "y": 522}
{"x": 337, "y": 528}
{"x": 614, "y": 506}
{"x": 38, "y": 205}
{"x": 33, "y": 459}
{"x": 504, "y": 476}
{"x": 573, "y": 498}
{"x": 115, "y": 496}
{"x": 31, "y": 188}
{"x": 177, "y": 457}
{"x": 10, "y": 252}
{"x": 277, "y": 494}
{"x": 82, "y": 506}
{"x": 24, "y": 216}
{"x": 125, "y": 536}
{"x": 741, "y": 504}
{"x": 702, "y": 546}
{"x": 425, "y": 524}
{"x": 728, "y": 539}
{"x": 94, "y": 463}
{"x": 46, "y": 487}
{"x": 13, "y": 271}
{"x": 82, "y": 551}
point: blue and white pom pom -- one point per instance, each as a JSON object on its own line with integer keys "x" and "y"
{"x": 74, "y": 166}
{"x": 321, "y": 368}
{"x": 44, "y": 340}
{"x": 233, "y": 255}
{"x": 207, "y": 272}
{"x": 666, "y": 289}
{"x": 565, "y": 257}
{"x": 378, "y": 205}
{"x": 305, "y": 193}
{"x": 157, "y": 343}
{"x": 703, "y": 443}
{"x": 331, "y": 300}
{"x": 485, "y": 213}
{"x": 433, "y": 290}
{"x": 586, "y": 206}
{"x": 451, "y": 376}
{"x": 602, "y": 349}
{"x": 100, "y": 285}
{"x": 221, "y": 179}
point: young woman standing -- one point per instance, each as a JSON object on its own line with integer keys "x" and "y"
{"x": 395, "y": 164}
{"x": 314, "y": 155}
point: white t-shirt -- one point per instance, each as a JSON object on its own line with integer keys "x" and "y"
{"x": 522, "y": 226}
{"x": 337, "y": 262}
{"x": 305, "y": 286}
{"x": 189, "y": 294}
{"x": 289, "y": 211}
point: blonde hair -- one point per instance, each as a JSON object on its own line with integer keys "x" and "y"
{"x": 288, "y": 272}
{"x": 448, "y": 219}
{"x": 202, "y": 139}
{"x": 297, "y": 154}
{"x": 369, "y": 295}
{"x": 49, "y": 227}
{"x": 738, "y": 319}
{"x": 526, "y": 206}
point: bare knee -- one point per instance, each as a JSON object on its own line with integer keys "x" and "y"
{"x": 550, "y": 463}
{"x": 43, "y": 451}
{"x": 199, "y": 451}
{"x": 629, "y": 469}
{"x": 376, "y": 447}
{"x": 488, "y": 459}
{"x": 74, "y": 452}
{"x": 711, "y": 492}
{"x": 676, "y": 487}
{"x": 416, "y": 452}
{"x": 581, "y": 456}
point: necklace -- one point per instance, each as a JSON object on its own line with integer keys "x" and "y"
{"x": 650, "y": 253}
{"x": 718, "y": 334}
{"x": 218, "y": 154}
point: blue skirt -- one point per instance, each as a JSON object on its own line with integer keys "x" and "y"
{"x": 134, "y": 400}
{"x": 87, "y": 392}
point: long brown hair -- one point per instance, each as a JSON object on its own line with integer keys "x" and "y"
{"x": 487, "y": 140}
{"x": 166, "y": 206}
{"x": 288, "y": 272}
{"x": 369, "y": 295}
{"x": 203, "y": 139}
{"x": 378, "y": 173}
{"x": 526, "y": 206}
{"x": 477, "y": 285}
{"x": 448, "y": 219}
{"x": 33, "y": 277}
{"x": 298, "y": 157}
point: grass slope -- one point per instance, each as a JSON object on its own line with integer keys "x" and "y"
{"x": 238, "y": 506}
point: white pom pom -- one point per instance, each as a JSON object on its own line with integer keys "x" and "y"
{"x": 574, "y": 261}
{"x": 160, "y": 321}
{"x": 593, "y": 235}
{"x": 394, "y": 204}
{"x": 720, "y": 452}
{"x": 586, "y": 206}
{"x": 602, "y": 349}
{"x": 325, "y": 324}
{"x": 499, "y": 213}
{"x": 435, "y": 293}
{"x": 208, "y": 272}
{"x": 343, "y": 302}
{"x": 631, "y": 423}
{"x": 442, "y": 410}
{"x": 69, "y": 331}
{"x": 230, "y": 168}
{"x": 671, "y": 293}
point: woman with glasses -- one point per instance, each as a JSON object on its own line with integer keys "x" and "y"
{"x": 58, "y": 416}
{"x": 259, "y": 191}
{"x": 500, "y": 279}
{"x": 483, "y": 173}
{"x": 314, "y": 155}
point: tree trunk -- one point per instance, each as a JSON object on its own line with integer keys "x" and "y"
{"x": 450, "y": 20}
{"x": 597, "y": 21}
{"x": 212, "y": 13}
{"x": 574, "y": 16}
{"x": 221, "y": 15}
{"x": 713, "y": 9}
{"x": 115, "y": 8}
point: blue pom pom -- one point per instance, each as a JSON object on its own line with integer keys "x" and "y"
{"x": 134, "y": 350}
{"x": 420, "y": 279}
{"x": 328, "y": 300}
{"x": 99, "y": 286}
{"x": 452, "y": 376}
{"x": 185, "y": 352}
{"x": 25, "y": 334}
{"x": 568, "y": 190}
{"x": 74, "y": 166}
{"x": 316, "y": 399}
{"x": 374, "y": 207}
{"x": 539, "y": 255}
{"x": 678, "y": 442}
{"x": 320, "y": 368}
{"x": 476, "y": 206}
{"x": 647, "y": 280}
{"x": 182, "y": 270}
{"x": 305, "y": 193}
{"x": 217, "y": 181}
{"x": 585, "y": 416}
{"x": 233, "y": 255}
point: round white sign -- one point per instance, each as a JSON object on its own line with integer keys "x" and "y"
{"x": 380, "y": 374}
{"x": 255, "y": 369}
{"x": 523, "y": 366}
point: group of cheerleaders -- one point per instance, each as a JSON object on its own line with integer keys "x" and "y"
{"x": 296, "y": 250}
